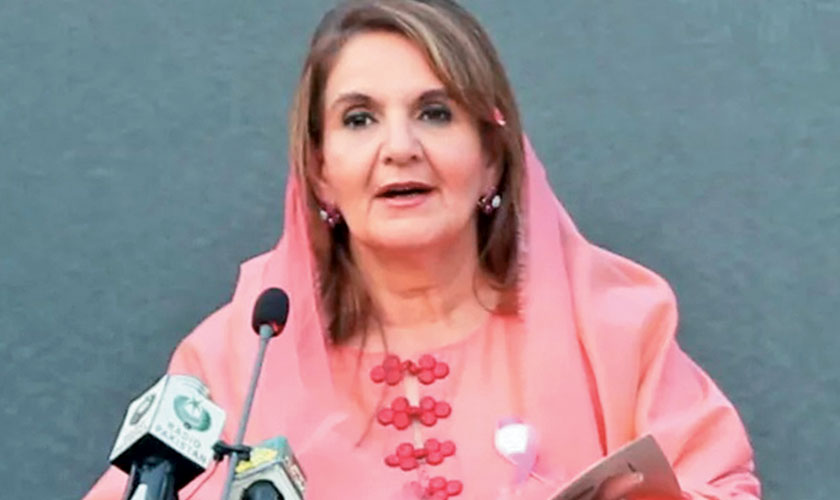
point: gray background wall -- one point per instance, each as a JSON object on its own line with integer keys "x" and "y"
{"x": 142, "y": 157}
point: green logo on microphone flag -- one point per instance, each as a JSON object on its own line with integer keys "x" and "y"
{"x": 191, "y": 413}
{"x": 142, "y": 409}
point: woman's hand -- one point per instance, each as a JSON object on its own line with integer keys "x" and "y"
{"x": 620, "y": 487}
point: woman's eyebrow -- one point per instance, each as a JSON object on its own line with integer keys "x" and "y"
{"x": 356, "y": 98}
{"x": 360, "y": 99}
{"x": 434, "y": 95}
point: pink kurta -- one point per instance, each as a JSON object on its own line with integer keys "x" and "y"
{"x": 481, "y": 388}
{"x": 590, "y": 362}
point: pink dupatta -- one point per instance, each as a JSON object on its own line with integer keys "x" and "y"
{"x": 584, "y": 309}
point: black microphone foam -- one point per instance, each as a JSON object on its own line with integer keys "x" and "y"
{"x": 262, "y": 490}
{"x": 272, "y": 308}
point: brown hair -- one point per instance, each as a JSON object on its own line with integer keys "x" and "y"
{"x": 463, "y": 58}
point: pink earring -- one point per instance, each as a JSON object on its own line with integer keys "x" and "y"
{"x": 490, "y": 202}
{"x": 330, "y": 215}
{"x": 499, "y": 118}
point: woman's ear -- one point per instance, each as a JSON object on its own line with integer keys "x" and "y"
{"x": 494, "y": 173}
{"x": 322, "y": 188}
{"x": 495, "y": 157}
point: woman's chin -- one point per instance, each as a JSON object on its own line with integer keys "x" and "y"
{"x": 406, "y": 238}
{"x": 408, "y": 242}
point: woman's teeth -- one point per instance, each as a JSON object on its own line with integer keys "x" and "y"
{"x": 404, "y": 192}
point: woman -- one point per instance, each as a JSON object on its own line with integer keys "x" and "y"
{"x": 439, "y": 290}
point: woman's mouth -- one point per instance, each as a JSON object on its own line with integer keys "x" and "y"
{"x": 404, "y": 194}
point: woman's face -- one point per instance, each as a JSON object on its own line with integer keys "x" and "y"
{"x": 401, "y": 161}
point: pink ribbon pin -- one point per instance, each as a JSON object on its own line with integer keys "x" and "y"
{"x": 517, "y": 442}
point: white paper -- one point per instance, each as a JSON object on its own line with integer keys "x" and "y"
{"x": 642, "y": 455}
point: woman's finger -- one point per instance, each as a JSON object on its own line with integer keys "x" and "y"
{"x": 620, "y": 486}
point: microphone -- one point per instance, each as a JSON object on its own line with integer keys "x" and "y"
{"x": 272, "y": 473}
{"x": 270, "y": 311}
{"x": 167, "y": 437}
{"x": 268, "y": 320}
{"x": 262, "y": 490}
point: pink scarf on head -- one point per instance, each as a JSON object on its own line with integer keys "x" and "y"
{"x": 588, "y": 314}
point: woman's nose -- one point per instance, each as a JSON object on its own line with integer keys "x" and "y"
{"x": 401, "y": 146}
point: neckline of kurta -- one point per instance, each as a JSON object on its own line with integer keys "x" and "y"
{"x": 457, "y": 344}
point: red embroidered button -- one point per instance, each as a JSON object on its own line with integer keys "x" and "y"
{"x": 377, "y": 374}
{"x": 393, "y": 377}
{"x": 433, "y": 452}
{"x": 454, "y": 487}
{"x": 447, "y": 448}
{"x": 391, "y": 362}
{"x": 428, "y": 411}
{"x": 442, "y": 409}
{"x": 428, "y": 418}
{"x": 427, "y": 403}
{"x": 404, "y": 458}
{"x": 392, "y": 370}
{"x": 385, "y": 416}
{"x": 437, "y": 483}
{"x": 405, "y": 450}
{"x": 434, "y": 458}
{"x": 440, "y": 488}
{"x": 426, "y": 361}
{"x": 401, "y": 412}
{"x": 400, "y": 403}
{"x": 408, "y": 463}
{"x": 402, "y": 420}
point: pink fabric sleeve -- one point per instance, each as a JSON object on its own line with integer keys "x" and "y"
{"x": 624, "y": 308}
{"x": 185, "y": 360}
{"x": 110, "y": 486}
{"x": 698, "y": 428}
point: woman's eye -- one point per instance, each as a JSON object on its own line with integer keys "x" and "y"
{"x": 357, "y": 119}
{"x": 437, "y": 113}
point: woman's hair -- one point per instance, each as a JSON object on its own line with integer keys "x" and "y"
{"x": 463, "y": 58}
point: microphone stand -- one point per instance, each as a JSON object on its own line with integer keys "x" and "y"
{"x": 266, "y": 333}
{"x": 153, "y": 478}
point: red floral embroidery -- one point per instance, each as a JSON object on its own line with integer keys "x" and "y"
{"x": 437, "y": 488}
{"x": 401, "y": 413}
{"x": 433, "y": 452}
{"x": 441, "y": 489}
{"x": 392, "y": 370}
